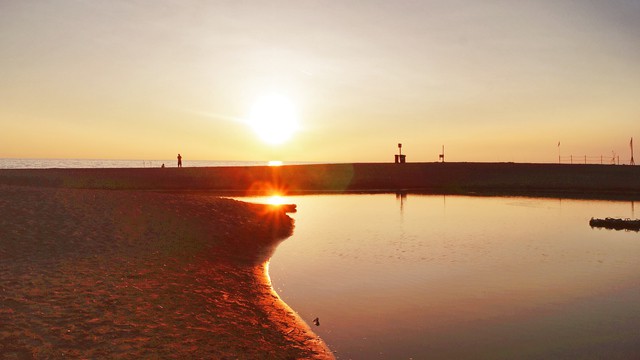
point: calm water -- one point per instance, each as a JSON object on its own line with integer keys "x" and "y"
{"x": 445, "y": 277}
{"x": 98, "y": 163}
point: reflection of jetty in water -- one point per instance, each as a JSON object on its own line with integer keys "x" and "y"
{"x": 616, "y": 224}
{"x": 402, "y": 196}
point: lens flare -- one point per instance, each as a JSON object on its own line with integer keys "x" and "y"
{"x": 276, "y": 200}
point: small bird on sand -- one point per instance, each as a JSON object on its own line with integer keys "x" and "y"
{"x": 316, "y": 322}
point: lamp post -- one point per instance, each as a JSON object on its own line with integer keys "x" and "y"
{"x": 400, "y": 159}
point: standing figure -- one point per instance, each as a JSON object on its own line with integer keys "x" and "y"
{"x": 179, "y": 160}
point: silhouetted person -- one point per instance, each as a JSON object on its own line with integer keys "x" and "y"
{"x": 179, "y": 160}
{"x": 162, "y": 165}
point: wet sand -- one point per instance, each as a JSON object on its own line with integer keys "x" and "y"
{"x": 134, "y": 274}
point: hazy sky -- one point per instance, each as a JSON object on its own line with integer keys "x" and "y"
{"x": 490, "y": 80}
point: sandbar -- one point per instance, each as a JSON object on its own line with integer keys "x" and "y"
{"x": 91, "y": 273}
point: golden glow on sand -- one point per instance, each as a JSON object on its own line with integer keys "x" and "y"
{"x": 273, "y": 118}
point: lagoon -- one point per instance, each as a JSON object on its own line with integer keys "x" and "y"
{"x": 431, "y": 276}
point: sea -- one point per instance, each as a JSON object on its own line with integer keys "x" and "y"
{"x": 7, "y": 163}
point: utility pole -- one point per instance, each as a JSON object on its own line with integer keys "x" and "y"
{"x": 631, "y": 145}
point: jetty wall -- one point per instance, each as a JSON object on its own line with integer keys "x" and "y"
{"x": 589, "y": 181}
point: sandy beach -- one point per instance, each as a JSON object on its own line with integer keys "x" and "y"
{"x": 134, "y": 274}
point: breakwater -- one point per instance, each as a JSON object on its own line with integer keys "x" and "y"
{"x": 584, "y": 181}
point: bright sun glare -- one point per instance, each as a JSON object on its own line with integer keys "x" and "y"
{"x": 273, "y": 118}
{"x": 276, "y": 200}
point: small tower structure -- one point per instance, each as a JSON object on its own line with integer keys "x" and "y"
{"x": 399, "y": 158}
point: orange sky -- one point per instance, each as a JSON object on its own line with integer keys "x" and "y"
{"x": 491, "y": 80}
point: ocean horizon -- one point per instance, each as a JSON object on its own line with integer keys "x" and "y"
{"x": 17, "y": 163}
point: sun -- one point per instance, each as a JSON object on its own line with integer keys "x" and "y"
{"x": 273, "y": 118}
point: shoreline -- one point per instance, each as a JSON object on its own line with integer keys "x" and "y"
{"x": 94, "y": 273}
